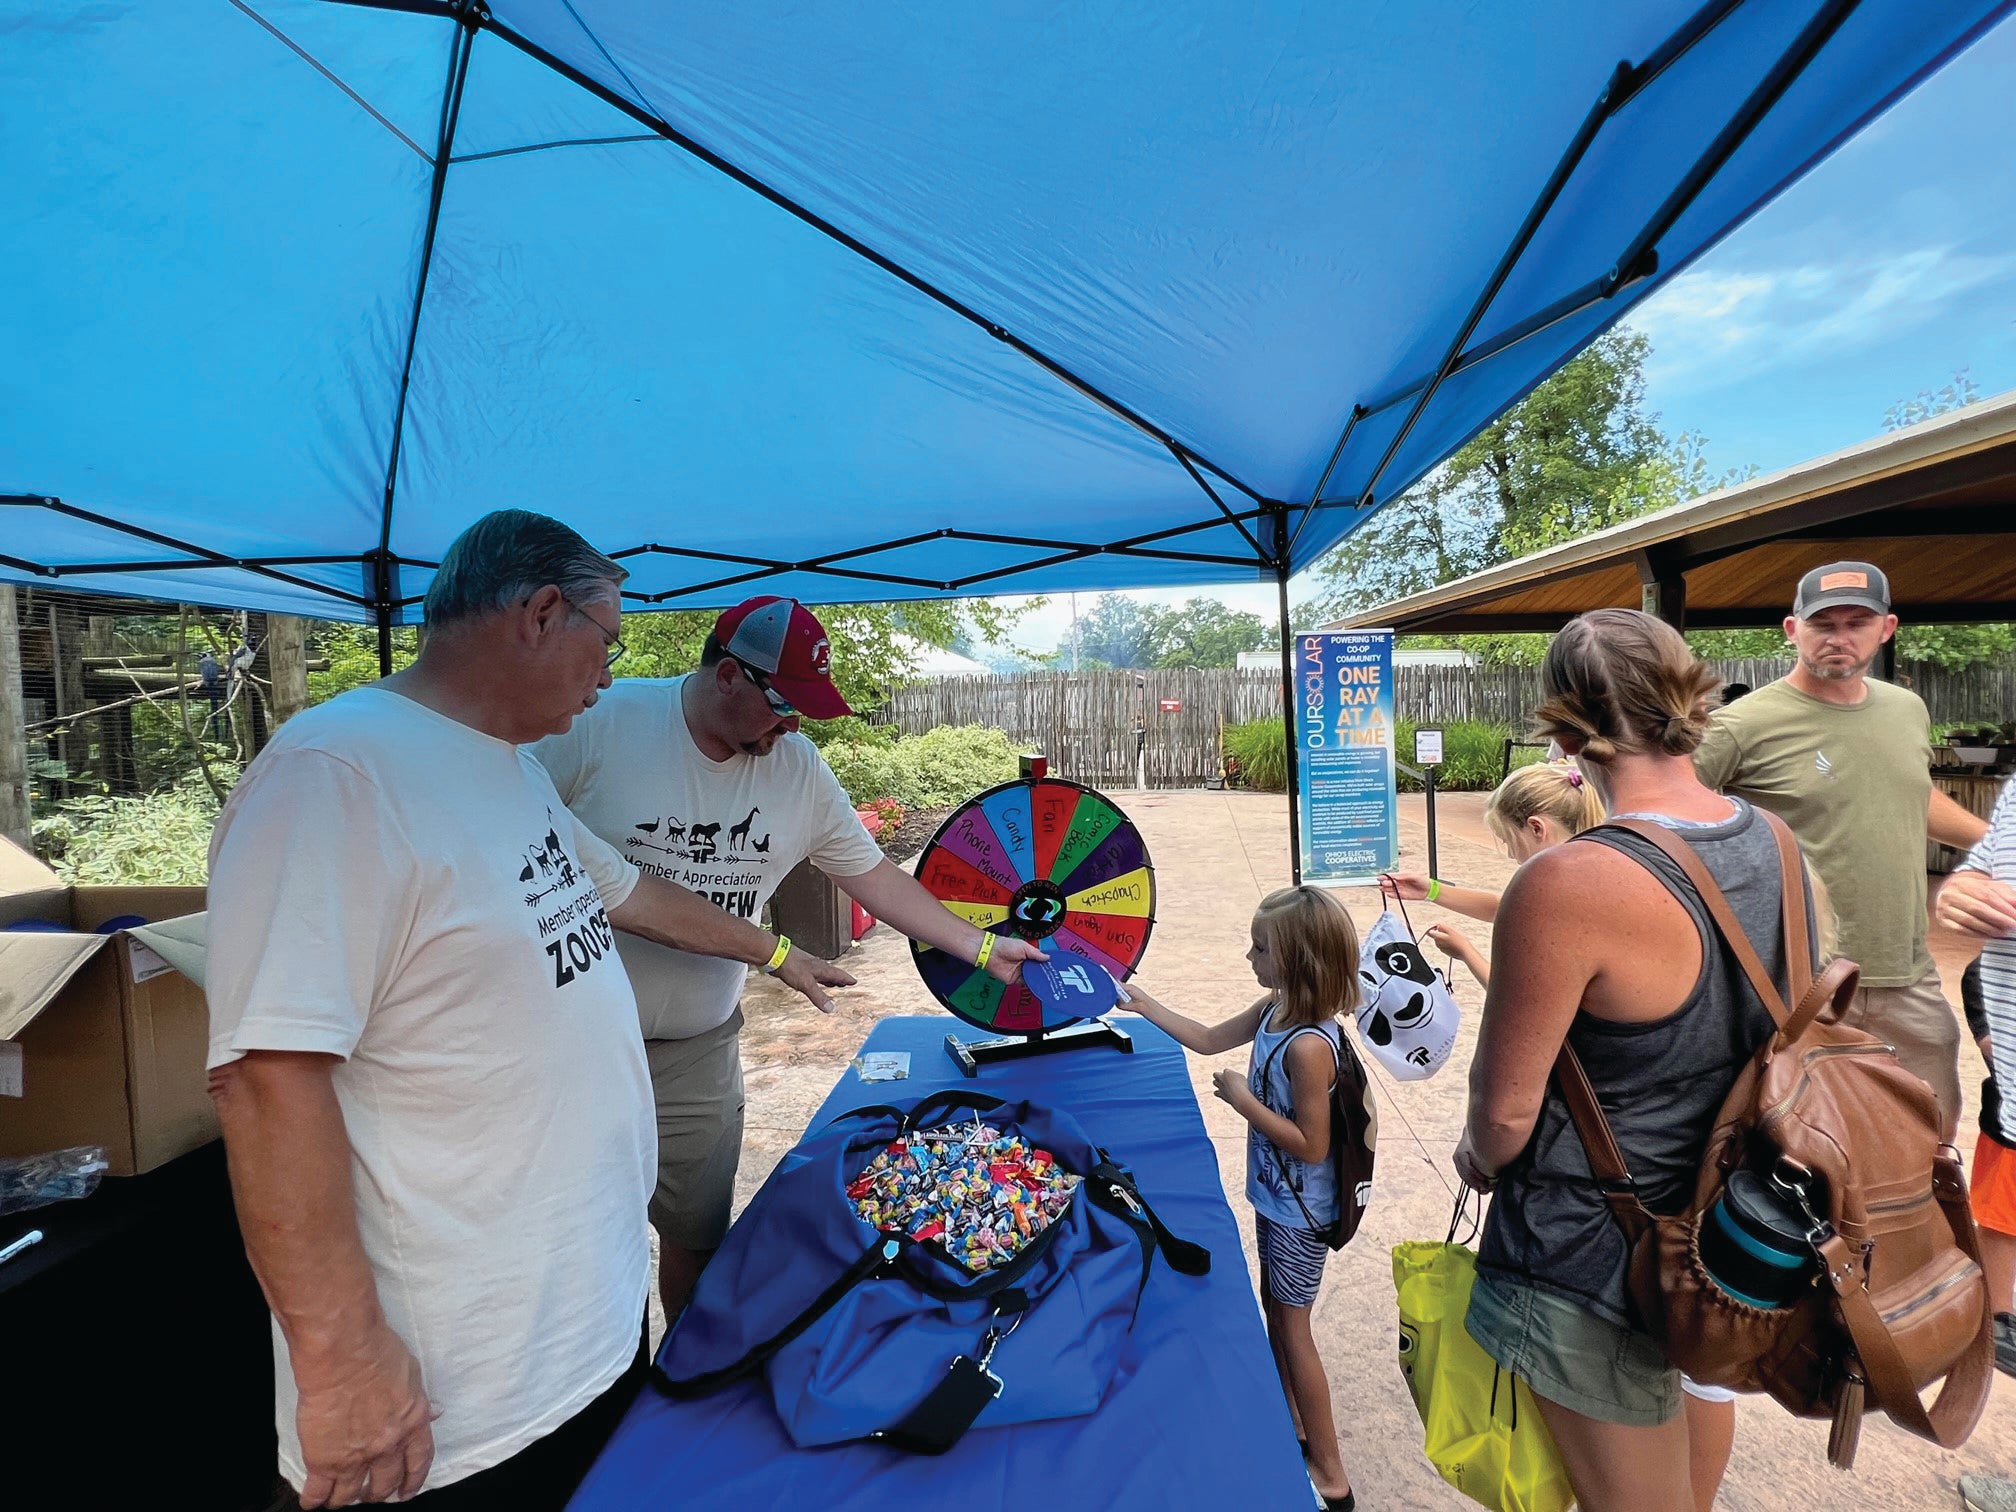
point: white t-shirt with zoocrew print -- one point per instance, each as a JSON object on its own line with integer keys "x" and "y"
{"x": 408, "y": 894}
{"x": 729, "y": 830}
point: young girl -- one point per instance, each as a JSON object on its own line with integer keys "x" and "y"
{"x": 1533, "y": 810}
{"x": 1305, "y": 953}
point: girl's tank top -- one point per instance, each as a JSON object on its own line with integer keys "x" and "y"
{"x": 1274, "y": 1178}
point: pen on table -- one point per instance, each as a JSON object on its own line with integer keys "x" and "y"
{"x": 33, "y": 1236}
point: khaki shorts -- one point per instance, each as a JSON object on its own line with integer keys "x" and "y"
{"x": 1572, "y": 1357}
{"x": 1923, "y": 1027}
{"x": 698, "y": 1086}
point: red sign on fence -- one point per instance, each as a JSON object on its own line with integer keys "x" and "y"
{"x": 1170, "y": 705}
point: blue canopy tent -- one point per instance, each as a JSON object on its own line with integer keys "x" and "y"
{"x": 838, "y": 302}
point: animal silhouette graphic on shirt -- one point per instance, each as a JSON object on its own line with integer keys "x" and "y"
{"x": 547, "y": 859}
{"x": 699, "y": 843}
{"x": 667, "y": 836}
{"x": 739, "y": 835}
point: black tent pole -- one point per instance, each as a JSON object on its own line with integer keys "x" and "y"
{"x": 384, "y": 639}
{"x": 1288, "y": 697}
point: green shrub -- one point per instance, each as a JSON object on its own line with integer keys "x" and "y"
{"x": 161, "y": 840}
{"x": 1261, "y": 747}
{"x": 1473, "y": 755}
{"x": 850, "y": 729}
{"x": 937, "y": 769}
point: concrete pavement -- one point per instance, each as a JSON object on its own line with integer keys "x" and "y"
{"x": 1216, "y": 855}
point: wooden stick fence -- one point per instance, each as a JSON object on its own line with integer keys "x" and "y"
{"x": 1086, "y": 723}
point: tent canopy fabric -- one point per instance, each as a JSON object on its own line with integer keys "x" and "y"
{"x": 839, "y": 302}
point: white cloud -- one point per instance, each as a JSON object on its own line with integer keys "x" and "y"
{"x": 1706, "y": 322}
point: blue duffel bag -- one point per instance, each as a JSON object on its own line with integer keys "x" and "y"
{"x": 868, "y": 1334}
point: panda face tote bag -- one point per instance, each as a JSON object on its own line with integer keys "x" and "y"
{"x": 1408, "y": 1018}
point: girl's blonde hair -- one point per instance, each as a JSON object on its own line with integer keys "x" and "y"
{"x": 1548, "y": 789}
{"x": 1624, "y": 684}
{"x": 1314, "y": 947}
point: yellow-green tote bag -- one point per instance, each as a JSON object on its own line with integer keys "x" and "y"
{"x": 1483, "y": 1433}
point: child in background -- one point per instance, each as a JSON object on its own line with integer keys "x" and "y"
{"x": 1305, "y": 953}
{"x": 1537, "y": 807}
{"x": 1533, "y": 810}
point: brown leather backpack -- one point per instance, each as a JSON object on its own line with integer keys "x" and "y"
{"x": 1898, "y": 1301}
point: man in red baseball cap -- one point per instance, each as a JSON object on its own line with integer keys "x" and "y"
{"x": 704, "y": 780}
{"x": 783, "y": 649}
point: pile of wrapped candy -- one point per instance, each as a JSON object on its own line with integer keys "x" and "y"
{"x": 982, "y": 1194}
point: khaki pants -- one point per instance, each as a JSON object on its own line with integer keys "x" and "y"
{"x": 1925, "y": 1030}
{"x": 698, "y": 1086}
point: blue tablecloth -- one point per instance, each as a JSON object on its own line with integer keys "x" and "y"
{"x": 1195, "y": 1416}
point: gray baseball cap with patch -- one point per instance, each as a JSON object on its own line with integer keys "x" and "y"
{"x": 1861, "y": 584}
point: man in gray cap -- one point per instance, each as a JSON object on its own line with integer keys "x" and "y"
{"x": 1845, "y": 760}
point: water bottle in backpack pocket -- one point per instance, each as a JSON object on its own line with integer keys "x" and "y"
{"x": 1828, "y": 1256}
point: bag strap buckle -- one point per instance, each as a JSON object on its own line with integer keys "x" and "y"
{"x": 991, "y": 1341}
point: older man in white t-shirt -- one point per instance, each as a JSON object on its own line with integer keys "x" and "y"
{"x": 705, "y": 781}
{"x": 425, "y": 1055}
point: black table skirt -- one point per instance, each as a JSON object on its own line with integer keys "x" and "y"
{"x": 136, "y": 1358}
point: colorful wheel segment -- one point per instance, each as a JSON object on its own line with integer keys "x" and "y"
{"x": 1044, "y": 860}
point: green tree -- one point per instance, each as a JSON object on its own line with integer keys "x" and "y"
{"x": 1951, "y": 647}
{"x": 1738, "y": 645}
{"x": 1579, "y": 453}
{"x": 1116, "y": 631}
{"x": 1201, "y": 632}
{"x": 352, "y": 654}
{"x": 874, "y": 645}
{"x": 1205, "y": 633}
{"x": 1954, "y": 647}
{"x": 1926, "y": 403}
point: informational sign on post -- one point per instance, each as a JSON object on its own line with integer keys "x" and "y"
{"x": 1427, "y": 748}
{"x": 1343, "y": 684}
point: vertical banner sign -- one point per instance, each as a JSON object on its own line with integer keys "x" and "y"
{"x": 1344, "y": 732}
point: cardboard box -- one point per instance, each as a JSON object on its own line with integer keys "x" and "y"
{"x": 101, "y": 1040}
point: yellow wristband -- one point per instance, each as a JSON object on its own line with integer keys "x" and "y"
{"x": 1434, "y": 889}
{"x": 986, "y": 950}
{"x": 777, "y": 956}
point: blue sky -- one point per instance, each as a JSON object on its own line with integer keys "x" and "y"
{"x": 1880, "y": 273}
{"x": 1884, "y": 271}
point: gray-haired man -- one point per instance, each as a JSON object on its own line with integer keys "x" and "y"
{"x": 425, "y": 1051}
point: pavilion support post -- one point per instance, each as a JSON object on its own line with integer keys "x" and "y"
{"x": 1886, "y": 661}
{"x": 1662, "y": 586}
{"x": 1288, "y": 730}
{"x": 1667, "y": 600}
{"x": 14, "y": 814}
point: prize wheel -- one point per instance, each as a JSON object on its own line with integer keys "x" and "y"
{"x": 1048, "y": 861}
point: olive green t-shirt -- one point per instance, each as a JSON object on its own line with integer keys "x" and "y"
{"x": 1854, "y": 784}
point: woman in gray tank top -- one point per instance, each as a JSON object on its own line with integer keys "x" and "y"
{"x": 1603, "y": 944}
